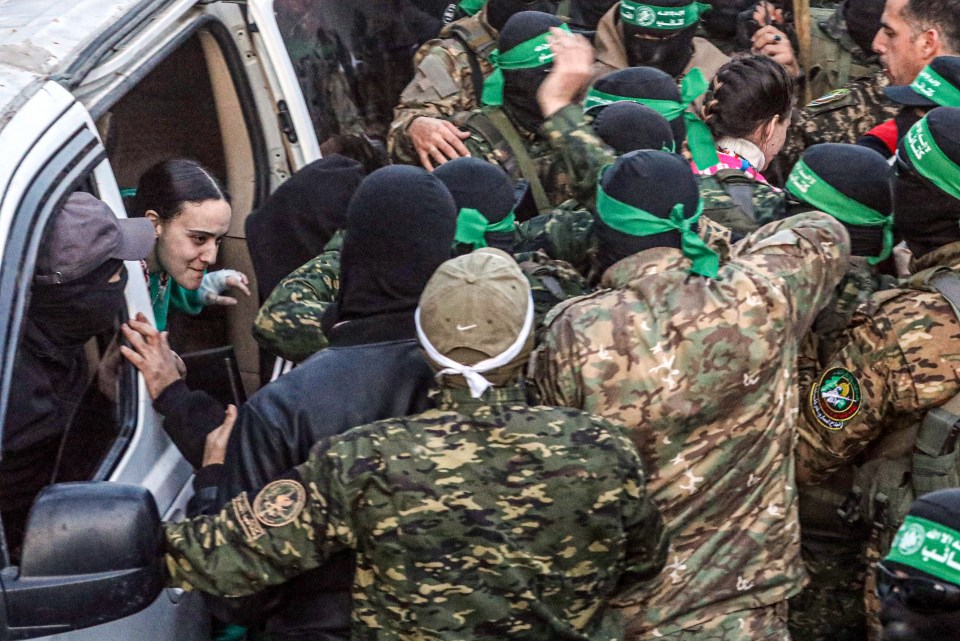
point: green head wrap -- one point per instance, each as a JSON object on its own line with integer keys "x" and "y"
{"x": 471, "y": 7}
{"x": 650, "y": 16}
{"x": 930, "y": 161}
{"x": 631, "y": 220}
{"x": 530, "y": 54}
{"x": 694, "y": 84}
{"x": 929, "y": 547}
{"x": 932, "y": 85}
{"x": 805, "y": 184}
{"x": 472, "y": 227}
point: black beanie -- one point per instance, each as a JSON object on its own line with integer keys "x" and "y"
{"x": 860, "y": 174}
{"x": 647, "y": 83}
{"x": 941, "y": 506}
{"x": 477, "y": 184}
{"x": 298, "y": 219}
{"x": 630, "y": 126}
{"x": 923, "y": 214}
{"x": 499, "y": 11}
{"x": 863, "y": 21}
{"x": 524, "y": 26}
{"x": 654, "y": 181}
{"x": 400, "y": 227}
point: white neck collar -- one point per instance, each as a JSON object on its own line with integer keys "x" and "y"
{"x": 746, "y": 150}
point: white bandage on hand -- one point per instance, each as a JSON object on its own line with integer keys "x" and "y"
{"x": 215, "y": 283}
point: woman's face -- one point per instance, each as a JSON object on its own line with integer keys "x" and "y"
{"x": 187, "y": 244}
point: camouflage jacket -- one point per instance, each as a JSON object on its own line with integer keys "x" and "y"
{"x": 738, "y": 202}
{"x": 843, "y": 115}
{"x": 835, "y": 59}
{"x": 567, "y": 154}
{"x": 443, "y": 83}
{"x": 484, "y": 519}
{"x": 288, "y": 322}
{"x": 899, "y": 356}
{"x": 702, "y": 373}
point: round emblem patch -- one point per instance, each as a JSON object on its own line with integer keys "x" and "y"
{"x": 646, "y": 16}
{"x": 279, "y": 503}
{"x": 836, "y": 398}
{"x": 910, "y": 539}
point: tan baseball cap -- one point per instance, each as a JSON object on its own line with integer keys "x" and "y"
{"x": 474, "y": 306}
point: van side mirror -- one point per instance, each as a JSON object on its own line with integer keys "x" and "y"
{"x": 91, "y": 554}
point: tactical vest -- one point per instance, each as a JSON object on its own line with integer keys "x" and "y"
{"x": 832, "y": 66}
{"x": 494, "y": 126}
{"x": 478, "y": 45}
{"x": 909, "y": 463}
{"x": 729, "y": 199}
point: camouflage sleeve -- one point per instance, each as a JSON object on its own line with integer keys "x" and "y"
{"x": 555, "y": 366}
{"x": 288, "y": 323}
{"x": 582, "y": 151}
{"x": 563, "y": 234}
{"x": 807, "y": 253}
{"x": 442, "y": 87}
{"x": 292, "y": 525}
{"x": 647, "y": 539}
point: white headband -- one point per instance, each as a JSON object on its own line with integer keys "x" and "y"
{"x": 472, "y": 373}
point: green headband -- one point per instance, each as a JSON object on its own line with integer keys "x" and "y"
{"x": 932, "y": 85}
{"x": 702, "y": 148}
{"x": 667, "y": 18}
{"x": 930, "y": 161}
{"x": 472, "y": 227}
{"x": 471, "y": 7}
{"x": 929, "y": 547}
{"x": 530, "y": 54}
{"x": 631, "y": 220}
{"x": 805, "y": 184}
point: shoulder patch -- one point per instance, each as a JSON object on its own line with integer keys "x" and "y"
{"x": 836, "y": 98}
{"x": 835, "y": 399}
{"x": 279, "y": 503}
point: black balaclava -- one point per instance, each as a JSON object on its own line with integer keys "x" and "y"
{"x": 629, "y": 126}
{"x": 924, "y": 215}
{"x": 586, "y": 14}
{"x": 500, "y": 11}
{"x": 299, "y": 218}
{"x": 520, "y": 85}
{"x": 400, "y": 225}
{"x": 721, "y": 20}
{"x": 862, "y": 175}
{"x": 648, "y": 83}
{"x": 863, "y": 21}
{"x": 477, "y": 184}
{"x": 69, "y": 314}
{"x": 900, "y": 623}
{"x": 667, "y": 54}
{"x": 654, "y": 181}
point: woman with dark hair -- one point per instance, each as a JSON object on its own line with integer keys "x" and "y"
{"x": 190, "y": 211}
{"x": 748, "y": 111}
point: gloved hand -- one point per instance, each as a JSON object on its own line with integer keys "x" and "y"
{"x": 215, "y": 283}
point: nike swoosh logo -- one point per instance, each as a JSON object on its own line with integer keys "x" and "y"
{"x": 464, "y": 328}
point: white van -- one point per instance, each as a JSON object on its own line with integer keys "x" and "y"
{"x": 92, "y": 92}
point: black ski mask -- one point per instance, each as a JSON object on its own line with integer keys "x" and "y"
{"x": 587, "y": 13}
{"x": 671, "y": 55}
{"x": 520, "y": 85}
{"x": 923, "y": 215}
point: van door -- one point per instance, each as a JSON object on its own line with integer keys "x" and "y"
{"x": 52, "y": 148}
{"x": 301, "y": 139}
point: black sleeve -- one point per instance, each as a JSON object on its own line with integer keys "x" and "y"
{"x": 188, "y": 417}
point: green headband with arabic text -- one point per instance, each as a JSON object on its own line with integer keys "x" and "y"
{"x": 929, "y": 547}
{"x": 529, "y": 54}
{"x": 808, "y": 186}
{"x": 472, "y": 227}
{"x": 634, "y": 221}
{"x": 929, "y": 160}
{"x": 650, "y": 16}
{"x": 933, "y": 86}
{"x": 472, "y": 7}
{"x": 694, "y": 84}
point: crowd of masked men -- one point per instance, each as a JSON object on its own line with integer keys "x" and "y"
{"x": 630, "y": 342}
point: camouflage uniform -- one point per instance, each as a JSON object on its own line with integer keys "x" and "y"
{"x": 702, "y": 372}
{"x": 835, "y": 59}
{"x": 738, "y": 202}
{"x": 567, "y": 154}
{"x": 483, "y": 519}
{"x": 900, "y": 352}
{"x": 830, "y": 607}
{"x": 443, "y": 84}
{"x": 843, "y": 115}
